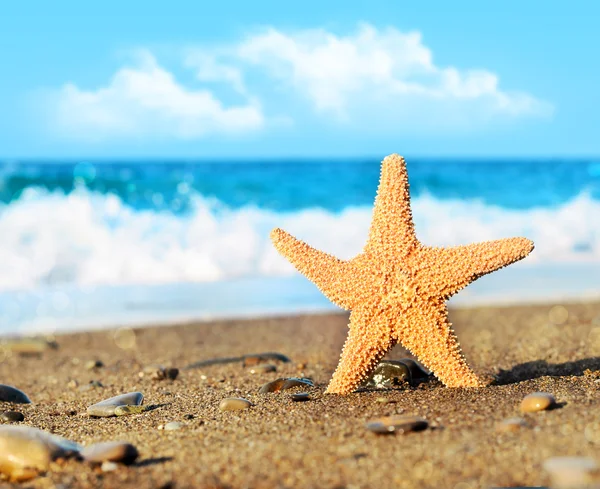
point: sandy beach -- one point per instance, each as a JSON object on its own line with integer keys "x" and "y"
{"x": 323, "y": 442}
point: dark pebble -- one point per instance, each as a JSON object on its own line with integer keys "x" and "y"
{"x": 158, "y": 372}
{"x": 417, "y": 371}
{"x": 92, "y": 364}
{"x": 12, "y": 416}
{"x": 12, "y": 394}
{"x": 300, "y": 397}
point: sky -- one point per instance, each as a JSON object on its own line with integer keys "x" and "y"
{"x": 234, "y": 79}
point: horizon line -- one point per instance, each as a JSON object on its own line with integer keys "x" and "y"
{"x": 282, "y": 158}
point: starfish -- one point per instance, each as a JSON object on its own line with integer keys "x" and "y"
{"x": 396, "y": 287}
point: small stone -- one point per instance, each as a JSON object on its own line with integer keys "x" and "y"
{"x": 572, "y": 472}
{"x": 397, "y": 424}
{"x": 538, "y": 401}
{"x": 171, "y": 373}
{"x": 511, "y": 425}
{"x": 112, "y": 451}
{"x": 12, "y": 416}
{"x": 234, "y": 404}
{"x": 72, "y": 384}
{"x": 417, "y": 371}
{"x": 388, "y": 374}
{"x": 273, "y": 386}
{"x": 108, "y": 406}
{"x": 300, "y": 397}
{"x": 382, "y": 400}
{"x": 158, "y": 372}
{"x": 173, "y": 426}
{"x": 92, "y": 364}
{"x": 108, "y": 466}
{"x": 25, "y": 452}
{"x": 127, "y": 410}
{"x": 92, "y": 384}
{"x": 263, "y": 369}
{"x": 12, "y": 394}
{"x": 285, "y": 383}
{"x": 251, "y": 360}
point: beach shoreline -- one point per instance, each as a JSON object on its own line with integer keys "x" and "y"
{"x": 323, "y": 442}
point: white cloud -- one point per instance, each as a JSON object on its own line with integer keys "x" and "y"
{"x": 382, "y": 69}
{"x": 380, "y": 80}
{"x": 146, "y": 100}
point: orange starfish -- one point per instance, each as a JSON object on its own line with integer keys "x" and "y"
{"x": 397, "y": 287}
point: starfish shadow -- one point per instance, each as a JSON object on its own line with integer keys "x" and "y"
{"x": 541, "y": 368}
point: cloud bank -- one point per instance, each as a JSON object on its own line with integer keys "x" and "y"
{"x": 372, "y": 79}
{"x": 146, "y": 100}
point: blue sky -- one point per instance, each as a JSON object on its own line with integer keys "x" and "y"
{"x": 274, "y": 79}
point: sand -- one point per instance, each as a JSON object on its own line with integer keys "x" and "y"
{"x": 321, "y": 443}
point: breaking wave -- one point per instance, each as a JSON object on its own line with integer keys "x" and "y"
{"x": 89, "y": 238}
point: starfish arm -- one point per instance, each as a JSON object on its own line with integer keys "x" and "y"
{"x": 427, "y": 334}
{"x": 337, "y": 279}
{"x": 449, "y": 270}
{"x": 369, "y": 339}
{"x": 392, "y": 232}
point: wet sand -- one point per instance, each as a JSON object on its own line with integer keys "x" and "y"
{"x": 321, "y": 443}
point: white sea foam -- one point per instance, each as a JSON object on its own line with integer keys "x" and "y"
{"x": 88, "y": 238}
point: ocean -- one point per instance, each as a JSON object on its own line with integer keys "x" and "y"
{"x": 103, "y": 243}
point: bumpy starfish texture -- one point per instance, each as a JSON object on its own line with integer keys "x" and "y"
{"x": 396, "y": 288}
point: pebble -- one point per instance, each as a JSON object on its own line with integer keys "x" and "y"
{"x": 511, "y": 425}
{"x": 158, "y": 372}
{"x": 171, "y": 373}
{"x": 572, "y": 472}
{"x": 173, "y": 426}
{"x": 285, "y": 383}
{"x": 109, "y": 466}
{"x": 250, "y": 360}
{"x": 300, "y": 397}
{"x": 234, "y": 404}
{"x": 108, "y": 406}
{"x": 92, "y": 384}
{"x": 12, "y": 416}
{"x": 417, "y": 371}
{"x": 26, "y": 451}
{"x": 538, "y": 401}
{"x": 397, "y": 424}
{"x": 112, "y": 451}
{"x": 92, "y": 364}
{"x": 263, "y": 369}
{"x": 12, "y": 394}
{"x": 247, "y": 360}
{"x": 387, "y": 374}
{"x": 127, "y": 410}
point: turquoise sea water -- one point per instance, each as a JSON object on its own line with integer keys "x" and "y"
{"x": 88, "y": 243}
